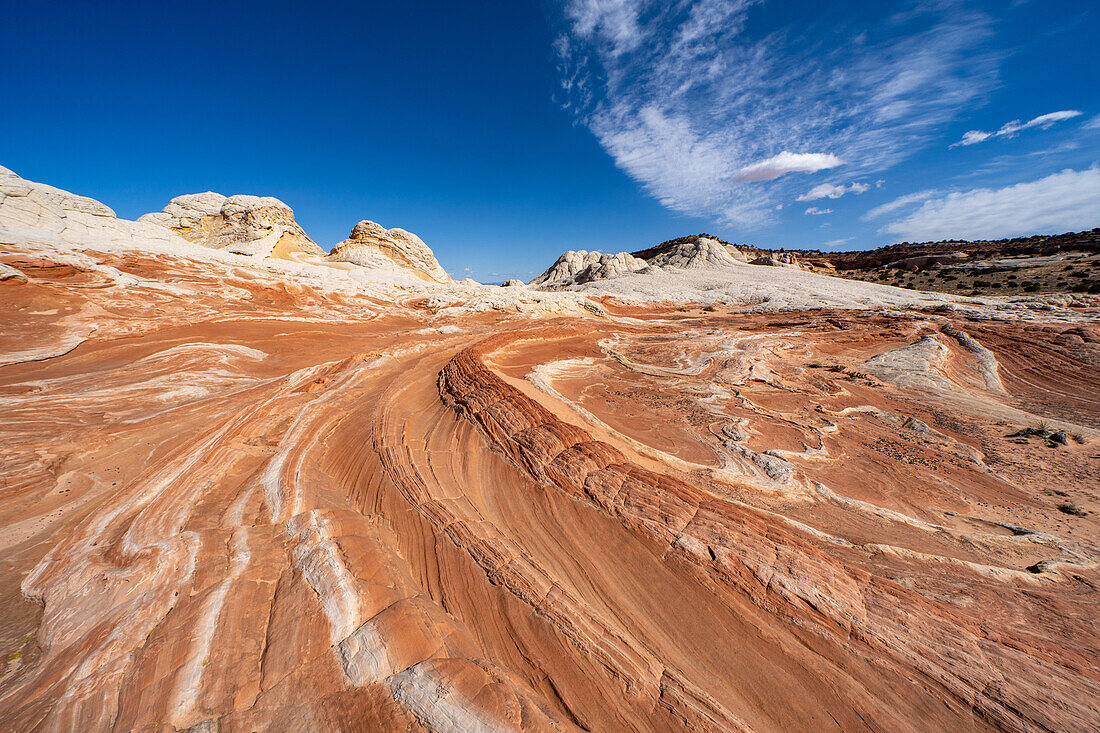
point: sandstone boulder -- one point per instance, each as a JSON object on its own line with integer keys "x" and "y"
{"x": 373, "y": 246}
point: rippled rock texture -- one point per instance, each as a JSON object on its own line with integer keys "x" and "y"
{"x": 233, "y": 500}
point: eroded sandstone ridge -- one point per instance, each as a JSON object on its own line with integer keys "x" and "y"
{"x": 244, "y": 493}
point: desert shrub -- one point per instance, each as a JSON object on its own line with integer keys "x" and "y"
{"x": 1068, "y": 507}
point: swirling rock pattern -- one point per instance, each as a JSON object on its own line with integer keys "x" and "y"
{"x": 236, "y": 500}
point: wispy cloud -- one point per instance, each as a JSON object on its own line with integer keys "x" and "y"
{"x": 614, "y": 24}
{"x": 1010, "y": 129}
{"x": 831, "y": 191}
{"x": 899, "y": 203}
{"x": 814, "y": 211}
{"x": 1065, "y": 201}
{"x": 708, "y": 117}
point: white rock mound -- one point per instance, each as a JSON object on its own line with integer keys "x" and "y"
{"x": 39, "y": 212}
{"x": 702, "y": 254}
{"x": 581, "y": 266}
{"x": 258, "y": 226}
{"x": 372, "y": 246}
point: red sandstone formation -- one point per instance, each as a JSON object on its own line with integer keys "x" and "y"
{"x": 237, "y": 500}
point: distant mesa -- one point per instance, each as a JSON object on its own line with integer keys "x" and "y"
{"x": 257, "y": 226}
{"x": 373, "y": 246}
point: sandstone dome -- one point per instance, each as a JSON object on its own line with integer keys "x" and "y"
{"x": 583, "y": 267}
{"x": 703, "y": 253}
{"x": 259, "y": 226}
{"x": 373, "y": 246}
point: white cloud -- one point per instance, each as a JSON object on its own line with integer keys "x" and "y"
{"x": 838, "y": 242}
{"x": 1045, "y": 121}
{"x": 899, "y": 203}
{"x": 704, "y": 114}
{"x": 614, "y": 23}
{"x": 814, "y": 211}
{"x": 972, "y": 137}
{"x": 828, "y": 190}
{"x": 787, "y": 162}
{"x": 1093, "y": 124}
{"x": 1009, "y": 129}
{"x": 1066, "y": 201}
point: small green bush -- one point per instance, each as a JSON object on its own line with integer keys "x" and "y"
{"x": 1068, "y": 507}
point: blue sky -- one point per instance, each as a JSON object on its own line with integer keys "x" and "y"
{"x": 506, "y": 132}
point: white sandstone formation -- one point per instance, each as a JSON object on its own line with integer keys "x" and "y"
{"x": 372, "y": 246}
{"x": 258, "y": 226}
{"x": 704, "y": 253}
{"x": 609, "y": 266}
{"x": 41, "y": 213}
{"x": 580, "y": 266}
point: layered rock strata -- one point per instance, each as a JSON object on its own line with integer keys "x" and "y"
{"x": 239, "y": 495}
